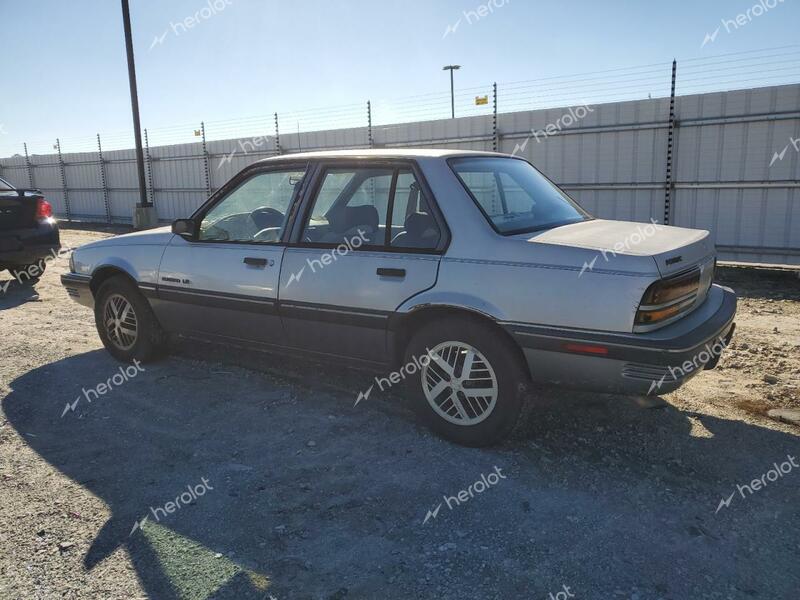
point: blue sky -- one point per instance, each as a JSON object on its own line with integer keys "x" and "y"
{"x": 254, "y": 57}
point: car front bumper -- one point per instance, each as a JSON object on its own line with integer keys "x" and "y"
{"x": 78, "y": 288}
{"x": 26, "y": 246}
{"x": 644, "y": 363}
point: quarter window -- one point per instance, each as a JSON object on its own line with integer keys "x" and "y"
{"x": 413, "y": 224}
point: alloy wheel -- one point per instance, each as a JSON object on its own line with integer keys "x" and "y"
{"x": 120, "y": 320}
{"x": 459, "y": 383}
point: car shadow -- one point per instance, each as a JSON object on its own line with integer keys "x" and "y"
{"x": 308, "y": 496}
{"x": 13, "y": 293}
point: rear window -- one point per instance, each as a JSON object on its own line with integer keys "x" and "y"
{"x": 5, "y": 186}
{"x": 514, "y": 196}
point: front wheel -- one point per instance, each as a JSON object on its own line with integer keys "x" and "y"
{"x": 471, "y": 381}
{"x": 127, "y": 326}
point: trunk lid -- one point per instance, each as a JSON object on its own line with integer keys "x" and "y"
{"x": 17, "y": 210}
{"x": 674, "y": 249}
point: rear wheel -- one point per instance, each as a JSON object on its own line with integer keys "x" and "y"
{"x": 127, "y": 326}
{"x": 471, "y": 383}
{"x": 28, "y": 273}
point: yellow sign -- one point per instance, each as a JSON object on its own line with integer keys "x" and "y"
{"x": 481, "y": 100}
{"x": 197, "y": 132}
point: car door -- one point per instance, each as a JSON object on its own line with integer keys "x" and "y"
{"x": 224, "y": 280}
{"x": 367, "y": 242}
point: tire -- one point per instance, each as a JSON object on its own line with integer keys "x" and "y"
{"x": 135, "y": 333}
{"x": 478, "y": 419}
{"x": 22, "y": 273}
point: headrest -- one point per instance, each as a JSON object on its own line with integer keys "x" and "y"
{"x": 418, "y": 222}
{"x": 349, "y": 217}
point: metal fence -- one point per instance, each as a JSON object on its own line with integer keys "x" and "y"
{"x": 727, "y": 161}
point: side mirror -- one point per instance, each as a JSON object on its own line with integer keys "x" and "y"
{"x": 185, "y": 228}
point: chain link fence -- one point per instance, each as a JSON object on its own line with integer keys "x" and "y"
{"x": 634, "y": 143}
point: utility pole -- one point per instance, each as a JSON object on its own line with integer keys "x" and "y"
{"x": 144, "y": 215}
{"x": 452, "y": 68}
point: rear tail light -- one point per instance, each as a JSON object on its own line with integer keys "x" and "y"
{"x": 44, "y": 210}
{"x": 668, "y": 298}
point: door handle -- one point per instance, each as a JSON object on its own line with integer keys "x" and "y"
{"x": 384, "y": 272}
{"x": 255, "y": 262}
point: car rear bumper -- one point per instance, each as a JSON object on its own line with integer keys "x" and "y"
{"x": 648, "y": 363}
{"x": 78, "y": 288}
{"x": 29, "y": 245}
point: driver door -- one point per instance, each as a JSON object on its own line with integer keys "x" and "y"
{"x": 224, "y": 282}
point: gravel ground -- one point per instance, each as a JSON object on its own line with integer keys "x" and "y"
{"x": 296, "y": 493}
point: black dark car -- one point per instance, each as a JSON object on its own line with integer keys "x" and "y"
{"x": 28, "y": 232}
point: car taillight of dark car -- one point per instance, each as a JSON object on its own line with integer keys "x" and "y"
{"x": 44, "y": 210}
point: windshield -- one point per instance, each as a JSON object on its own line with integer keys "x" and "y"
{"x": 514, "y": 196}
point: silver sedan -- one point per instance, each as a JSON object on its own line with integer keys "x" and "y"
{"x": 463, "y": 276}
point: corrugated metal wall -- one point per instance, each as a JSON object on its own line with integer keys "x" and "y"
{"x": 612, "y": 161}
{"x": 725, "y": 183}
{"x": 610, "y": 157}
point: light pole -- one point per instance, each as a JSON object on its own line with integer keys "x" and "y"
{"x": 452, "y": 68}
{"x": 144, "y": 214}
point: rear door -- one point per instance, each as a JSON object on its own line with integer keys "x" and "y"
{"x": 367, "y": 241}
{"x": 225, "y": 282}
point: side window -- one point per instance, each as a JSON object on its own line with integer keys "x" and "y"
{"x": 413, "y": 224}
{"x": 256, "y": 211}
{"x": 335, "y": 183}
{"x": 351, "y": 203}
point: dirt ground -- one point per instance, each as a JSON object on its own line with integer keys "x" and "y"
{"x": 295, "y": 493}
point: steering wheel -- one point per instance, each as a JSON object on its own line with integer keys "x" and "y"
{"x": 216, "y": 232}
{"x": 266, "y": 217}
{"x": 268, "y": 234}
